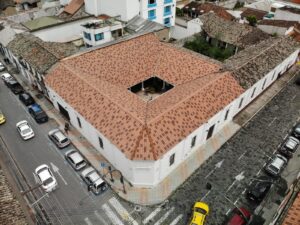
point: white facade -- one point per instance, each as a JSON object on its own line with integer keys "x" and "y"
{"x": 63, "y": 33}
{"x": 150, "y": 173}
{"x": 183, "y": 29}
{"x": 273, "y": 29}
{"x": 100, "y": 32}
{"x": 160, "y": 11}
{"x": 286, "y": 15}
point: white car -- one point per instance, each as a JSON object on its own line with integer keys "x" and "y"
{"x": 6, "y": 76}
{"x": 2, "y": 67}
{"x": 46, "y": 178}
{"x": 25, "y": 130}
{"x": 275, "y": 166}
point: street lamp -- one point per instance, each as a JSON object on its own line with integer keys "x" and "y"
{"x": 209, "y": 187}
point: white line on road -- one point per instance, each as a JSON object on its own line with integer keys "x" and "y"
{"x": 258, "y": 172}
{"x": 244, "y": 191}
{"x": 236, "y": 201}
{"x": 272, "y": 121}
{"x": 88, "y": 222}
{"x": 205, "y": 195}
{"x": 151, "y": 215}
{"x": 110, "y": 214}
{"x": 100, "y": 218}
{"x": 122, "y": 211}
{"x": 242, "y": 155}
{"x": 56, "y": 170}
{"x": 164, "y": 217}
{"x": 231, "y": 185}
{"x": 178, "y": 218}
{"x": 228, "y": 211}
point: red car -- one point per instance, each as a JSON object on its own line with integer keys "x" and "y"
{"x": 236, "y": 217}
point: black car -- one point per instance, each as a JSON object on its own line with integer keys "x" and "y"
{"x": 296, "y": 131}
{"x": 38, "y": 113}
{"x": 259, "y": 188}
{"x": 26, "y": 98}
{"x": 14, "y": 86}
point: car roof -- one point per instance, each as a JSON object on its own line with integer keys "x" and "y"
{"x": 59, "y": 134}
{"x": 76, "y": 157}
{"x": 86, "y": 171}
{"x": 94, "y": 176}
{"x": 99, "y": 181}
{"x": 202, "y": 205}
{"x": 277, "y": 162}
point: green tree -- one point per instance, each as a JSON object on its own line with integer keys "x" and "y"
{"x": 252, "y": 20}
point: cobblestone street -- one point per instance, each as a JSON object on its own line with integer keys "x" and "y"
{"x": 244, "y": 155}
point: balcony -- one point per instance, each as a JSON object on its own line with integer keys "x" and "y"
{"x": 168, "y": 13}
{"x": 152, "y": 5}
{"x": 152, "y": 17}
{"x": 168, "y": 1}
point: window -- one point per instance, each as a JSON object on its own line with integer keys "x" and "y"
{"x": 99, "y": 37}
{"x": 100, "y": 142}
{"x": 87, "y": 35}
{"x": 167, "y": 10}
{"x": 151, "y": 14}
{"x": 273, "y": 75}
{"x": 79, "y": 122}
{"x": 193, "y": 141}
{"x": 241, "y": 102}
{"x": 172, "y": 159}
{"x": 167, "y": 21}
{"x": 226, "y": 114}
{"x": 151, "y": 3}
{"x": 253, "y": 92}
{"x": 263, "y": 86}
{"x": 210, "y": 132}
{"x": 167, "y": 1}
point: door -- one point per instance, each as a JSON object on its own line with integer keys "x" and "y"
{"x": 64, "y": 112}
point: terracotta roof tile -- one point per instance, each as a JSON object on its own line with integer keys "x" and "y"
{"x": 73, "y": 6}
{"x": 278, "y": 23}
{"x": 293, "y": 216}
{"x": 143, "y": 130}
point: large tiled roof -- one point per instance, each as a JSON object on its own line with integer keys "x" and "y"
{"x": 231, "y": 32}
{"x": 293, "y": 215}
{"x": 39, "y": 54}
{"x": 143, "y": 130}
{"x": 201, "y": 8}
{"x": 253, "y": 63}
{"x": 278, "y": 23}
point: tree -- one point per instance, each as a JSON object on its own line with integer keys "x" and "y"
{"x": 252, "y": 20}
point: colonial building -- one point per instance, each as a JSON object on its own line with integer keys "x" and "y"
{"x": 145, "y": 111}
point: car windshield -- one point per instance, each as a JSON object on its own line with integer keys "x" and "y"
{"x": 64, "y": 140}
{"x": 80, "y": 163}
{"x": 199, "y": 210}
{"x": 40, "y": 115}
{"x": 273, "y": 168}
{"x": 48, "y": 181}
{"x": 100, "y": 186}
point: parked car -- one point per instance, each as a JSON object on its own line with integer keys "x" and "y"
{"x": 239, "y": 216}
{"x": 75, "y": 159}
{"x": 289, "y": 146}
{"x": 92, "y": 178}
{"x": 25, "y": 130}
{"x": 46, "y": 178}
{"x": 6, "y": 76}
{"x": 259, "y": 188}
{"x": 38, "y": 113}
{"x": 14, "y": 86}
{"x": 275, "y": 166}
{"x": 2, "y": 117}
{"x": 26, "y": 98}
{"x": 200, "y": 212}
{"x": 59, "y": 139}
{"x": 296, "y": 131}
{"x": 2, "y": 67}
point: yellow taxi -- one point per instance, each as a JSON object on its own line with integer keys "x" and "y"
{"x": 200, "y": 211}
{"x": 2, "y": 118}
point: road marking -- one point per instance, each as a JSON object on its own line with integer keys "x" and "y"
{"x": 122, "y": 211}
{"x": 88, "y": 222}
{"x": 218, "y": 165}
{"x": 151, "y": 215}
{"x": 110, "y": 214}
{"x": 258, "y": 172}
{"x": 244, "y": 191}
{"x": 100, "y": 218}
{"x": 242, "y": 155}
{"x": 294, "y": 97}
{"x": 56, "y": 170}
{"x": 272, "y": 121}
{"x": 238, "y": 177}
{"x": 228, "y": 211}
{"x": 236, "y": 201}
{"x": 205, "y": 195}
{"x": 176, "y": 220}
{"x": 164, "y": 217}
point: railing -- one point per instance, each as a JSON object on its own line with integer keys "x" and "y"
{"x": 152, "y": 5}
{"x": 168, "y": 1}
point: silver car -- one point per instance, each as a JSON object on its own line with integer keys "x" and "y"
{"x": 275, "y": 166}
{"x": 75, "y": 159}
{"x": 58, "y": 137}
{"x": 25, "y": 130}
{"x": 92, "y": 178}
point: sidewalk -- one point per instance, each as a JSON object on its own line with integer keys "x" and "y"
{"x": 158, "y": 194}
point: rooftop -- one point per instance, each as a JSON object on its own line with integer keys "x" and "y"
{"x": 41, "y": 22}
{"x": 240, "y": 35}
{"x": 277, "y": 23}
{"x": 291, "y": 9}
{"x": 293, "y": 215}
{"x": 259, "y": 14}
{"x": 143, "y": 130}
{"x": 39, "y": 54}
{"x": 140, "y": 25}
{"x": 100, "y": 23}
{"x": 251, "y": 65}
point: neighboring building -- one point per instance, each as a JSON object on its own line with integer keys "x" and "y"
{"x": 230, "y": 34}
{"x": 287, "y": 13}
{"x": 160, "y": 11}
{"x": 295, "y": 32}
{"x": 259, "y": 14}
{"x": 33, "y": 57}
{"x": 26, "y": 4}
{"x": 275, "y": 27}
{"x": 185, "y": 27}
{"x": 134, "y": 105}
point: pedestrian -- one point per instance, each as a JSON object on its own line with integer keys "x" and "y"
{"x": 67, "y": 127}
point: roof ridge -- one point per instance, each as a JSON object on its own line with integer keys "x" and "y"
{"x": 101, "y": 93}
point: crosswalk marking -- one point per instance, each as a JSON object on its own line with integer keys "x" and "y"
{"x": 122, "y": 211}
{"x": 151, "y": 215}
{"x": 110, "y": 214}
{"x": 164, "y": 217}
{"x": 176, "y": 219}
{"x": 100, "y": 218}
{"x": 88, "y": 222}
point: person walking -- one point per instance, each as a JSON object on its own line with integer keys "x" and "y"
{"x": 67, "y": 127}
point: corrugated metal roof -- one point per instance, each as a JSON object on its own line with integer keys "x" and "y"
{"x": 41, "y": 22}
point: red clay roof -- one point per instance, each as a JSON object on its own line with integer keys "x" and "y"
{"x": 73, "y": 6}
{"x": 143, "y": 131}
{"x": 259, "y": 14}
{"x": 293, "y": 216}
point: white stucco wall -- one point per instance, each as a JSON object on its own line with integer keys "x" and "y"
{"x": 62, "y": 33}
{"x": 180, "y": 31}
{"x": 286, "y": 15}
{"x": 64, "y": 2}
{"x": 273, "y": 29}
